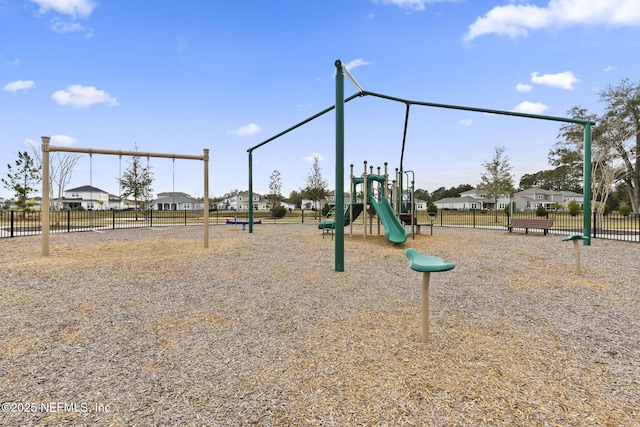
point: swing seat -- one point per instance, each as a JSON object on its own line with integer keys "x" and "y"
{"x": 425, "y": 263}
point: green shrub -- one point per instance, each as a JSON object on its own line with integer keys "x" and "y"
{"x": 624, "y": 210}
{"x": 541, "y": 211}
{"x": 325, "y": 209}
{"x": 432, "y": 208}
{"x": 279, "y": 211}
{"x": 574, "y": 208}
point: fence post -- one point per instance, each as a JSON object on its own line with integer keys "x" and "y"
{"x": 303, "y": 216}
{"x": 595, "y": 225}
{"x": 12, "y": 218}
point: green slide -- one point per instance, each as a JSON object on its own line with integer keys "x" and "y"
{"x": 330, "y": 224}
{"x": 393, "y": 228}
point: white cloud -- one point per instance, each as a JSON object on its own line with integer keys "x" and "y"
{"x": 465, "y": 122}
{"x": 83, "y": 96}
{"x": 561, "y": 80}
{"x": 311, "y": 158}
{"x": 247, "y": 130}
{"x": 66, "y": 27}
{"x": 418, "y": 5}
{"x": 13, "y": 63}
{"x": 58, "y": 140}
{"x": 19, "y": 85}
{"x": 610, "y": 68}
{"x": 72, "y": 8}
{"x": 520, "y": 87}
{"x": 63, "y": 140}
{"x": 530, "y": 107}
{"x": 517, "y": 20}
{"x": 356, "y": 63}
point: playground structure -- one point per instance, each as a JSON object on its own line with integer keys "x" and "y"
{"x": 373, "y": 190}
{"x": 46, "y": 149}
{"x": 243, "y": 223}
{"x": 340, "y": 101}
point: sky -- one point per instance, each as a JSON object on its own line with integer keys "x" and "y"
{"x": 180, "y": 77}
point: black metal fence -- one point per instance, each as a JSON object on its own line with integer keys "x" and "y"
{"x": 17, "y": 223}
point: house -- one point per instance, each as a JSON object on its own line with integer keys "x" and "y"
{"x": 459, "y": 203}
{"x": 89, "y": 198}
{"x": 526, "y": 200}
{"x": 240, "y": 202}
{"x": 532, "y": 198}
{"x": 330, "y": 200}
{"x": 176, "y": 201}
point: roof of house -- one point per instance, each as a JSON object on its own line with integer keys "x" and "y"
{"x": 87, "y": 188}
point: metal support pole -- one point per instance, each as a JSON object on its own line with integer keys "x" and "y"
{"x": 586, "y": 206}
{"x": 250, "y": 192}
{"x": 425, "y": 306}
{"x": 339, "y": 218}
{"x": 44, "y": 211}
{"x": 365, "y": 196}
{"x": 206, "y": 196}
{"x": 351, "y": 199}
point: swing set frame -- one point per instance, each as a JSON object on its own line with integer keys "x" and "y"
{"x": 47, "y": 148}
{"x": 340, "y": 101}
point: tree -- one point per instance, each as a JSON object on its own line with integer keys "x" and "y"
{"x": 295, "y": 199}
{"x": 622, "y": 119}
{"x": 615, "y": 142}
{"x": 275, "y": 188}
{"x": 442, "y": 193}
{"x": 316, "y": 188}
{"x": 497, "y": 180}
{"x": 559, "y": 179}
{"x": 136, "y": 183}
{"x": 60, "y": 171}
{"x": 22, "y": 178}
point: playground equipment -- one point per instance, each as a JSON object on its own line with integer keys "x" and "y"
{"x": 243, "y": 223}
{"x": 340, "y": 101}
{"x": 46, "y": 149}
{"x": 426, "y": 265}
{"x": 373, "y": 189}
{"x": 575, "y": 238}
{"x": 353, "y": 211}
{"x": 376, "y": 191}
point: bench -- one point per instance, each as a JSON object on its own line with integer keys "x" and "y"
{"x": 526, "y": 223}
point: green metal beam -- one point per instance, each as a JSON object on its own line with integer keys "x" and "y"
{"x": 480, "y": 110}
{"x": 586, "y": 204}
{"x": 250, "y": 219}
{"x": 339, "y": 212}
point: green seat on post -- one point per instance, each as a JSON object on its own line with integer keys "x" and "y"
{"x": 576, "y": 238}
{"x": 426, "y": 265}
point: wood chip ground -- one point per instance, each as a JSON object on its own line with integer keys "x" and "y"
{"x": 147, "y": 328}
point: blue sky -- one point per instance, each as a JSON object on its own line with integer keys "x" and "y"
{"x": 178, "y": 77}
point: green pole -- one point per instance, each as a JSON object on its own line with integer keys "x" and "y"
{"x": 339, "y": 218}
{"x": 586, "y": 209}
{"x": 250, "y": 192}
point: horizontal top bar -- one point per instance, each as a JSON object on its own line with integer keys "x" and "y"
{"x": 482, "y": 110}
{"x": 123, "y": 153}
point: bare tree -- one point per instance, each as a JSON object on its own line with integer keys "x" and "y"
{"x": 497, "y": 180}
{"x": 316, "y": 188}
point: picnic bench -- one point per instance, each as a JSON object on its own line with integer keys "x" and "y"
{"x": 527, "y": 223}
